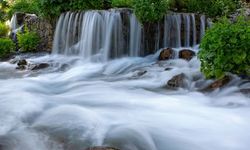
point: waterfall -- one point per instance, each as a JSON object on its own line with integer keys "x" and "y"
{"x": 187, "y": 29}
{"x": 116, "y": 33}
{"x": 13, "y": 23}
{"x": 203, "y": 26}
{"x": 194, "y": 30}
{"x": 135, "y": 36}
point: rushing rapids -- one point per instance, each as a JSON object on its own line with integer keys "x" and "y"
{"x": 78, "y": 103}
{"x": 117, "y": 33}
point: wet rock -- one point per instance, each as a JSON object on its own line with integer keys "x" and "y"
{"x": 186, "y": 54}
{"x": 245, "y": 92}
{"x": 22, "y": 62}
{"x": 22, "y": 67}
{"x": 168, "y": 69}
{"x": 141, "y": 73}
{"x": 166, "y": 54}
{"x": 102, "y": 148}
{"x": 40, "y": 66}
{"x": 177, "y": 81}
{"x": 220, "y": 83}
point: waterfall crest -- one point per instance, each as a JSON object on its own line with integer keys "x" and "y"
{"x": 117, "y": 33}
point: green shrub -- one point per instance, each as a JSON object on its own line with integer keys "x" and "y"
{"x": 213, "y": 8}
{"x": 226, "y": 48}
{"x": 122, "y": 3}
{"x": 51, "y": 9}
{"x": 4, "y": 30}
{"x": 6, "y": 47}
{"x": 150, "y": 10}
{"x": 25, "y": 6}
{"x": 178, "y": 5}
{"x": 28, "y": 41}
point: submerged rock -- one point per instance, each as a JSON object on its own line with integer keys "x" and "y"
{"x": 40, "y": 66}
{"x": 177, "y": 81}
{"x": 220, "y": 83}
{"x": 22, "y": 62}
{"x": 102, "y": 148}
{"x": 166, "y": 54}
{"x": 186, "y": 54}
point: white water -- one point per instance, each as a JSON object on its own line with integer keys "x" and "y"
{"x": 117, "y": 33}
{"x": 110, "y": 104}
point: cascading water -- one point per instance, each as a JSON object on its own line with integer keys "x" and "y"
{"x": 108, "y": 34}
{"x": 13, "y": 23}
{"x": 76, "y": 103}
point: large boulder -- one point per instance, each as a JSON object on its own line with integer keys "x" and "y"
{"x": 186, "y": 54}
{"x": 102, "y": 148}
{"x": 166, "y": 54}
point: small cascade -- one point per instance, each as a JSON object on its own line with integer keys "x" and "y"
{"x": 194, "y": 29}
{"x": 187, "y": 24}
{"x": 203, "y": 26}
{"x": 13, "y": 23}
{"x": 117, "y": 33}
{"x": 135, "y": 36}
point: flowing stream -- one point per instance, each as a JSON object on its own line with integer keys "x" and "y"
{"x": 114, "y": 104}
{"x": 85, "y": 99}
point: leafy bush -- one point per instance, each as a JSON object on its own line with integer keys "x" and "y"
{"x": 51, "y": 9}
{"x": 213, "y": 8}
{"x": 122, "y": 3}
{"x": 150, "y": 10}
{"x": 226, "y": 48}
{"x": 178, "y": 5}
{"x": 28, "y": 41}
{"x": 25, "y": 6}
{"x": 6, "y": 47}
{"x": 4, "y": 29}
{"x": 4, "y": 6}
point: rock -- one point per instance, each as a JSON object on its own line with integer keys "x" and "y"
{"x": 166, "y": 54}
{"x": 22, "y": 67}
{"x": 246, "y": 92}
{"x": 168, "y": 69}
{"x": 220, "y": 83}
{"x": 22, "y": 62}
{"x": 101, "y": 148}
{"x": 177, "y": 81}
{"x": 141, "y": 73}
{"x": 186, "y": 54}
{"x": 40, "y": 66}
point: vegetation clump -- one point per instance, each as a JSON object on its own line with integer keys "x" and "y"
{"x": 150, "y": 10}
{"x": 28, "y": 41}
{"x": 4, "y": 30}
{"x": 6, "y": 47}
{"x": 226, "y": 48}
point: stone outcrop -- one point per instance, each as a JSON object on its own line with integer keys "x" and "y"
{"x": 166, "y": 54}
{"x": 43, "y": 28}
{"x": 186, "y": 54}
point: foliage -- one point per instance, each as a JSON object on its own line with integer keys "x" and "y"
{"x": 25, "y": 6}
{"x": 4, "y": 29}
{"x": 28, "y": 41}
{"x": 150, "y": 10}
{"x": 3, "y": 8}
{"x": 213, "y": 8}
{"x": 178, "y": 5}
{"x": 6, "y": 47}
{"x": 122, "y": 3}
{"x": 226, "y": 48}
{"x": 53, "y": 8}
